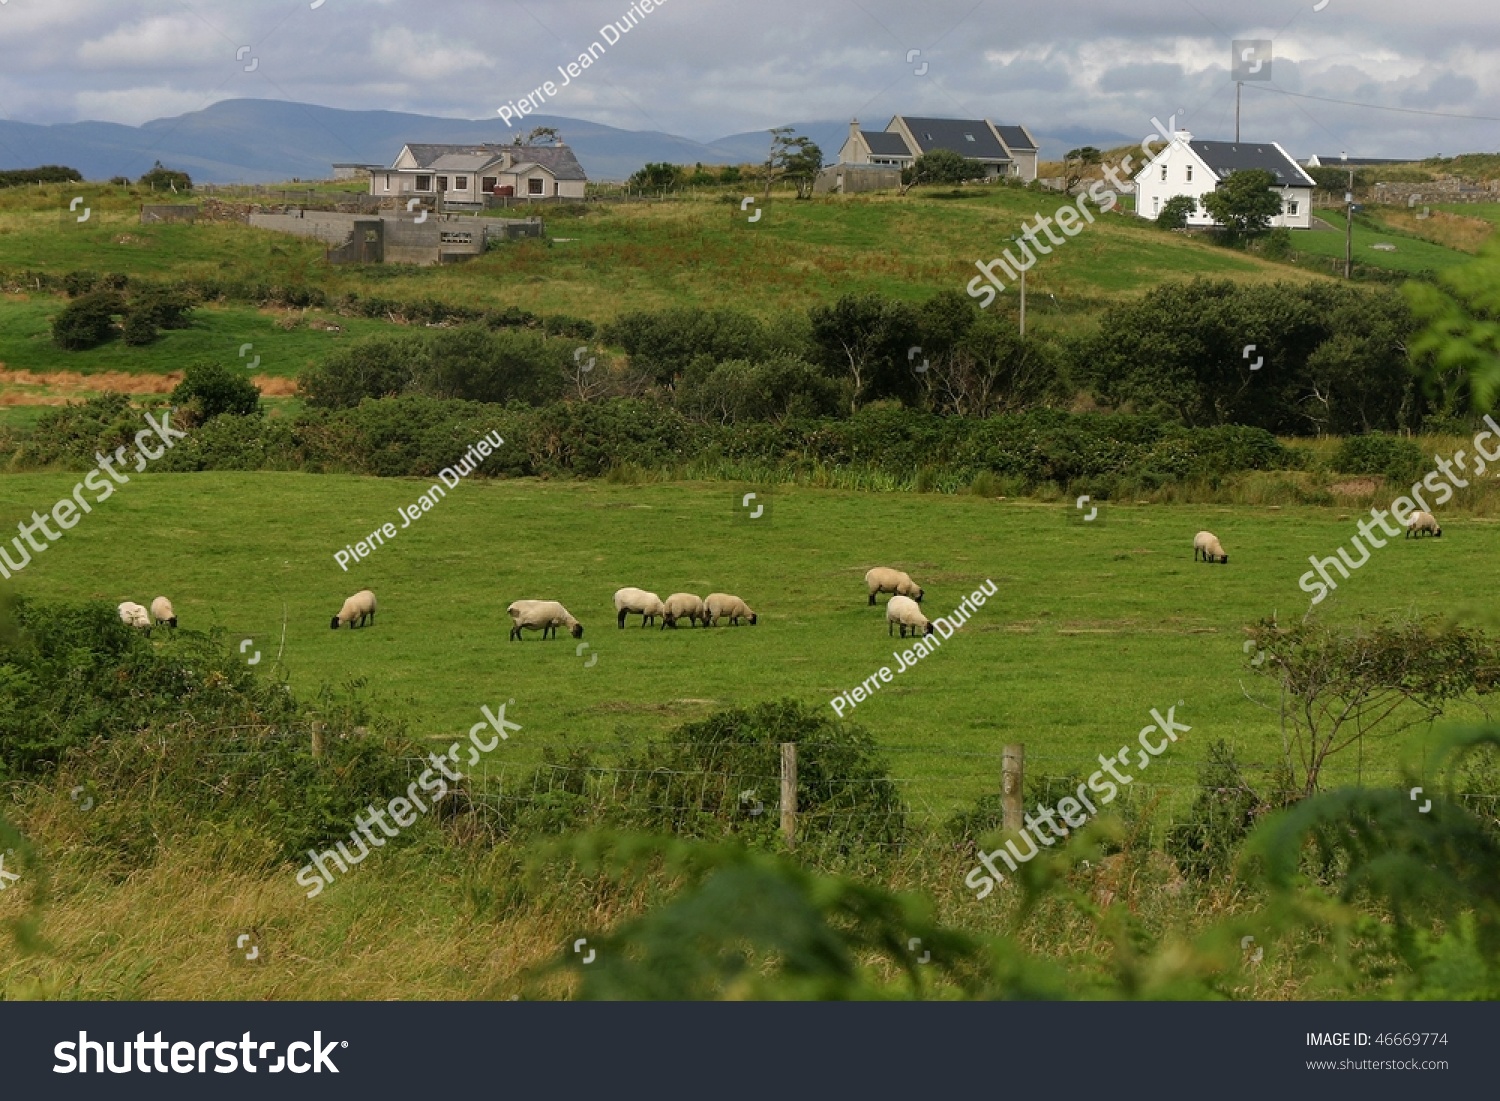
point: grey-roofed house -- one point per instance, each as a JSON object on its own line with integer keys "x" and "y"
{"x": 1005, "y": 151}
{"x": 466, "y": 175}
{"x": 1192, "y": 167}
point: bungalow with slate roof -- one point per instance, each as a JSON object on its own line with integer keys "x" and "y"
{"x": 1008, "y": 151}
{"x": 463, "y": 175}
{"x": 1191, "y": 167}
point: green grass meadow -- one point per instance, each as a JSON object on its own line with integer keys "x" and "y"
{"x": 1093, "y": 624}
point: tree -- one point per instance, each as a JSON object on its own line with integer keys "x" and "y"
{"x": 1174, "y": 212}
{"x": 211, "y": 389}
{"x": 1075, "y": 161}
{"x": 780, "y": 138}
{"x": 161, "y": 178}
{"x": 941, "y": 166}
{"x": 865, "y": 338}
{"x": 800, "y": 160}
{"x": 1245, "y": 203}
{"x": 1338, "y": 685}
{"x": 1459, "y": 346}
{"x": 87, "y": 321}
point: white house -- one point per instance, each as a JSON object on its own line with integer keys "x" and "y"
{"x": 1003, "y": 150}
{"x": 462, "y": 175}
{"x": 1186, "y": 166}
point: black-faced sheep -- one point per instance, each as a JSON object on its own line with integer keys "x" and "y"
{"x": 885, "y": 580}
{"x": 1206, "y": 544}
{"x": 358, "y": 609}
{"x": 541, "y": 615}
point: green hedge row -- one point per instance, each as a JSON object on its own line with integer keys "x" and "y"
{"x": 418, "y": 436}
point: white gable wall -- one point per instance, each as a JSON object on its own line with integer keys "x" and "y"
{"x": 1177, "y": 170}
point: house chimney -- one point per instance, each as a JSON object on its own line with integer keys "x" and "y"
{"x": 854, "y": 128}
{"x": 1183, "y": 136}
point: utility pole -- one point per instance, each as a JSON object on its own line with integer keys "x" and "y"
{"x": 1349, "y": 227}
{"x": 1238, "y": 87}
{"x": 1023, "y": 302}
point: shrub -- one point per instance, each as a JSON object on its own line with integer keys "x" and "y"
{"x": 1222, "y": 816}
{"x": 76, "y": 283}
{"x": 210, "y": 389}
{"x": 87, "y": 321}
{"x": 1175, "y": 211}
{"x": 161, "y": 178}
{"x": 1389, "y": 456}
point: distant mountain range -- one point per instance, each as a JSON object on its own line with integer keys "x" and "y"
{"x": 267, "y": 141}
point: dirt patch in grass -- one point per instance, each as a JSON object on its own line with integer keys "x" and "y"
{"x": 1355, "y": 487}
{"x": 61, "y": 387}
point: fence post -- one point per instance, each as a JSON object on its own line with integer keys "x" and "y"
{"x": 789, "y": 792}
{"x": 317, "y": 738}
{"x": 1012, "y": 786}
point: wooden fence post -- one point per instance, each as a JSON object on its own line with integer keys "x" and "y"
{"x": 317, "y": 738}
{"x": 1012, "y": 785}
{"x": 789, "y": 792}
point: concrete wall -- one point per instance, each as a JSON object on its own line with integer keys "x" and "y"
{"x": 399, "y": 239}
{"x": 849, "y": 179}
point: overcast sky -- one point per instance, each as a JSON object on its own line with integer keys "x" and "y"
{"x": 707, "y": 68}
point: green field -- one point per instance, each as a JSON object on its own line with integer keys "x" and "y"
{"x": 1411, "y": 254}
{"x": 1093, "y": 625}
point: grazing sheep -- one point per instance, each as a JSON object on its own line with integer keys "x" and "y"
{"x": 356, "y": 610}
{"x": 161, "y": 611}
{"x": 904, "y": 610}
{"x": 683, "y": 604}
{"x": 1206, "y": 543}
{"x": 884, "y": 580}
{"x": 133, "y": 615}
{"x": 637, "y": 602}
{"x": 1418, "y": 522}
{"x": 720, "y": 605}
{"x": 542, "y": 615}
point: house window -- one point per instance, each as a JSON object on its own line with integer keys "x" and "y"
{"x": 387, "y": 181}
{"x": 424, "y": 183}
{"x": 968, "y": 137}
{"x": 442, "y": 183}
{"x": 1190, "y": 173}
{"x": 536, "y": 186}
{"x": 1163, "y": 173}
{"x": 1291, "y": 207}
{"x": 1156, "y": 204}
{"x": 461, "y": 183}
{"x": 490, "y": 183}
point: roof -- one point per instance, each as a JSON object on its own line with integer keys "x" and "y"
{"x": 463, "y": 162}
{"x": 557, "y": 159}
{"x": 1226, "y": 157}
{"x": 971, "y": 138}
{"x": 884, "y": 143}
{"x": 1015, "y": 137}
{"x": 527, "y": 166}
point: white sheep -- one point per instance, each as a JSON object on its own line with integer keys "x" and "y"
{"x": 1419, "y": 521}
{"x": 680, "y": 605}
{"x": 639, "y": 602}
{"x": 356, "y": 610}
{"x": 161, "y": 611}
{"x": 133, "y": 615}
{"x": 904, "y": 610}
{"x": 885, "y": 580}
{"x": 1206, "y": 543}
{"x": 542, "y": 615}
{"x": 721, "y": 605}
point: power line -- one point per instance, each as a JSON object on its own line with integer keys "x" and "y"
{"x": 1376, "y": 106}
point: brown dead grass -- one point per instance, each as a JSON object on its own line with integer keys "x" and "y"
{"x": 61, "y": 387}
{"x": 1455, "y": 231}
